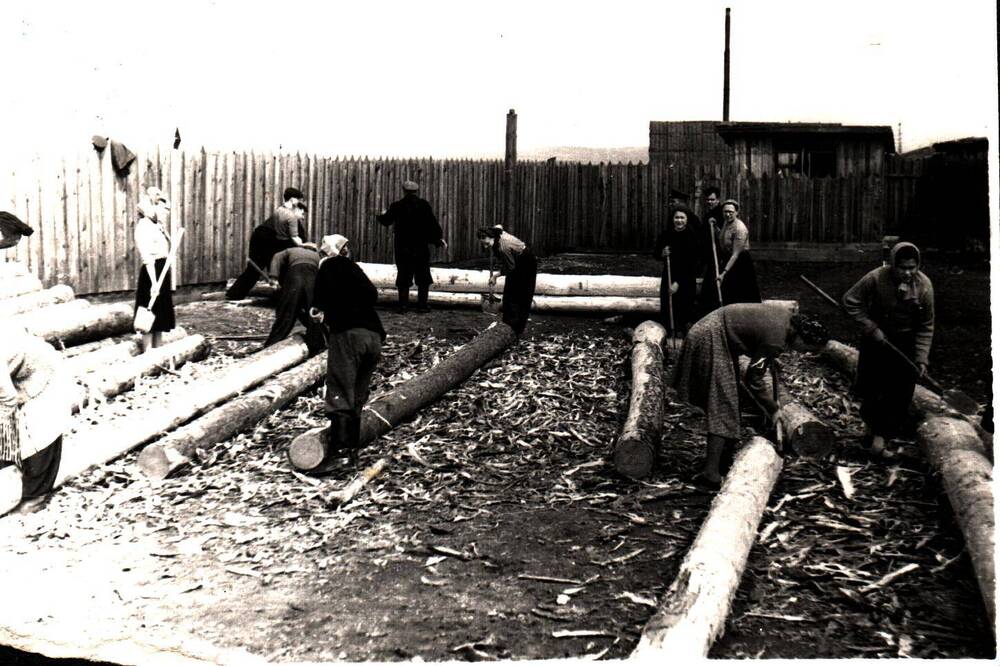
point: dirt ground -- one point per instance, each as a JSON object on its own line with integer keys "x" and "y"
{"x": 499, "y": 530}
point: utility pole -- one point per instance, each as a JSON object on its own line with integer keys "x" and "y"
{"x": 725, "y": 75}
{"x": 899, "y": 137}
{"x": 509, "y": 161}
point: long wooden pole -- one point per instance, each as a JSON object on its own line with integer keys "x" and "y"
{"x": 725, "y": 77}
{"x": 509, "y": 162}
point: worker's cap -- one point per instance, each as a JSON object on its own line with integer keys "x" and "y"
{"x": 410, "y": 186}
{"x": 156, "y": 196}
{"x": 332, "y": 245}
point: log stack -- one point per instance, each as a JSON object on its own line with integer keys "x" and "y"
{"x": 77, "y": 321}
{"x": 638, "y": 446}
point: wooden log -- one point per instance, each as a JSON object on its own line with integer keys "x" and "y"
{"x": 953, "y": 449}
{"x": 925, "y": 403}
{"x": 436, "y": 298}
{"x": 19, "y": 284}
{"x": 115, "y": 352}
{"x": 98, "y": 444}
{"x": 9, "y": 269}
{"x": 802, "y": 431}
{"x": 636, "y": 450}
{"x": 692, "y": 613}
{"x": 162, "y": 458}
{"x": 70, "y": 323}
{"x": 117, "y": 378}
{"x": 390, "y": 409}
{"x": 35, "y": 300}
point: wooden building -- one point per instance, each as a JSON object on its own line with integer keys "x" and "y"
{"x": 816, "y": 150}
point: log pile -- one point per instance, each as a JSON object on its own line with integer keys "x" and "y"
{"x": 17, "y": 285}
{"x": 636, "y": 450}
{"x": 35, "y": 300}
{"x": 77, "y": 321}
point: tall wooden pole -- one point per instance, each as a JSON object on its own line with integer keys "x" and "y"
{"x": 725, "y": 75}
{"x": 509, "y": 161}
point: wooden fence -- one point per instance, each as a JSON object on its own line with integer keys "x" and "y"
{"x": 84, "y": 214}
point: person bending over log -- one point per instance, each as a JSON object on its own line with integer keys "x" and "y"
{"x": 681, "y": 242}
{"x": 517, "y": 262}
{"x": 414, "y": 228}
{"x": 344, "y": 301}
{"x": 282, "y": 230}
{"x": 895, "y": 305}
{"x": 35, "y": 396}
{"x": 152, "y": 241}
{"x": 12, "y": 229}
{"x": 295, "y": 269}
{"x": 707, "y": 370}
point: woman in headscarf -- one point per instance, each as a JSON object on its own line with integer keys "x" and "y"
{"x": 35, "y": 396}
{"x": 11, "y": 230}
{"x": 893, "y": 303}
{"x": 518, "y": 263}
{"x": 707, "y": 370}
{"x": 153, "y": 244}
{"x": 681, "y": 244}
{"x": 737, "y": 276}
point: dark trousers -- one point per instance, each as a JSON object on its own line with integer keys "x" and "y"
{"x": 518, "y": 290}
{"x": 885, "y": 384}
{"x": 413, "y": 265}
{"x": 293, "y": 305}
{"x": 264, "y": 244}
{"x": 39, "y": 470}
{"x": 352, "y": 357}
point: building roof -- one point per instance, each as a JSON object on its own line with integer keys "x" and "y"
{"x": 727, "y": 130}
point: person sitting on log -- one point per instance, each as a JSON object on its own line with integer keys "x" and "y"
{"x": 517, "y": 262}
{"x": 678, "y": 247}
{"x": 414, "y": 228}
{"x": 152, "y": 241}
{"x": 12, "y": 230}
{"x": 282, "y": 230}
{"x": 895, "y": 305}
{"x": 35, "y": 397}
{"x": 707, "y": 370}
{"x": 295, "y": 270}
{"x": 344, "y": 301}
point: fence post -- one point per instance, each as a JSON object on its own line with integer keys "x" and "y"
{"x": 509, "y": 161}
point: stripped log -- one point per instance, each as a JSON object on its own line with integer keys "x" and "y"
{"x": 117, "y": 378}
{"x": 692, "y": 614}
{"x": 437, "y": 298}
{"x": 390, "y": 409}
{"x": 165, "y": 456}
{"x": 19, "y": 284}
{"x": 35, "y": 300}
{"x": 117, "y": 352}
{"x": 261, "y": 290}
{"x": 77, "y": 321}
{"x": 103, "y": 442}
{"x": 10, "y": 269}
{"x": 925, "y": 403}
{"x": 637, "y": 448}
{"x": 954, "y": 451}
{"x": 808, "y": 436}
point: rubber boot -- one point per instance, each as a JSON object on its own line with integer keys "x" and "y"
{"x": 353, "y": 438}
{"x": 404, "y": 298}
{"x": 422, "y": 298}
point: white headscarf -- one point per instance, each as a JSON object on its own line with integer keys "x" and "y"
{"x": 332, "y": 245}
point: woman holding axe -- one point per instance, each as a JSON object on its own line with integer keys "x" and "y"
{"x": 152, "y": 294}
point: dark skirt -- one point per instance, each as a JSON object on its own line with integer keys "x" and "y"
{"x": 885, "y": 384}
{"x": 683, "y": 302}
{"x": 519, "y": 291}
{"x": 39, "y": 470}
{"x": 163, "y": 308}
{"x": 740, "y": 282}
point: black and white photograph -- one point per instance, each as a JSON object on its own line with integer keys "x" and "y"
{"x": 394, "y": 331}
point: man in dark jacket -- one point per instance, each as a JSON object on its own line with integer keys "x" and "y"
{"x": 414, "y": 228}
{"x": 269, "y": 238}
{"x": 344, "y": 301}
{"x": 295, "y": 269}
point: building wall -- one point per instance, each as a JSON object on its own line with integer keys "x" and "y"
{"x": 689, "y": 142}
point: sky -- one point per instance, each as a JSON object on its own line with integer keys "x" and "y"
{"x": 436, "y": 78}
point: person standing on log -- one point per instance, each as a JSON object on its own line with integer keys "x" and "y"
{"x": 894, "y": 304}
{"x": 344, "y": 301}
{"x": 12, "y": 230}
{"x": 152, "y": 241}
{"x": 35, "y": 398}
{"x": 295, "y": 270}
{"x": 737, "y": 277}
{"x": 414, "y": 229}
{"x": 707, "y": 372}
{"x": 680, "y": 240}
{"x": 518, "y": 263}
{"x": 280, "y": 231}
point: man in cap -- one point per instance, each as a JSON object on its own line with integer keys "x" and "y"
{"x": 414, "y": 228}
{"x": 344, "y": 301}
{"x": 295, "y": 269}
{"x": 281, "y": 230}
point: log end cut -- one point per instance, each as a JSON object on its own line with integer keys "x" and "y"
{"x": 813, "y": 440}
{"x": 307, "y": 451}
{"x": 634, "y": 457}
{"x": 157, "y": 462}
